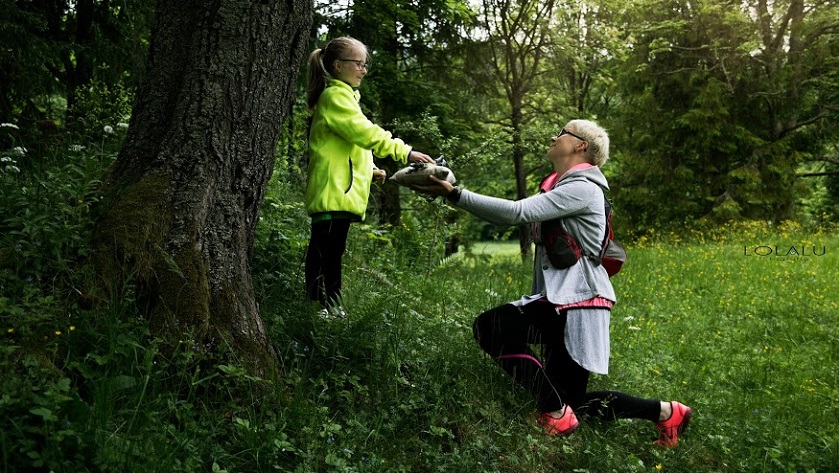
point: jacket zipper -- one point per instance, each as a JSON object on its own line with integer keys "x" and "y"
{"x": 351, "y": 176}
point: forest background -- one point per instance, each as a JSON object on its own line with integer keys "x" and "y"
{"x": 723, "y": 121}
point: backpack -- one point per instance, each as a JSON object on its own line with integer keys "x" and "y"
{"x": 563, "y": 251}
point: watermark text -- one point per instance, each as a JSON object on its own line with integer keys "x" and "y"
{"x": 784, "y": 250}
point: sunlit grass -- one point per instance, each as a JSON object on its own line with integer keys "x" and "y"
{"x": 497, "y": 248}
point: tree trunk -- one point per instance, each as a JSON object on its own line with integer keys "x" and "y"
{"x": 521, "y": 173}
{"x": 389, "y": 206}
{"x": 79, "y": 66}
{"x": 185, "y": 191}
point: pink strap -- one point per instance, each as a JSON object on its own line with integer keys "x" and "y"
{"x": 521, "y": 355}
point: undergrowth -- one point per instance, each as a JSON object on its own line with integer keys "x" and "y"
{"x": 710, "y": 317}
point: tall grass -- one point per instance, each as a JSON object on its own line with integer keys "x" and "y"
{"x": 748, "y": 339}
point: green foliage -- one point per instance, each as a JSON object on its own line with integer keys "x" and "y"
{"x": 53, "y": 48}
{"x": 25, "y": 60}
{"x": 42, "y": 414}
{"x": 400, "y": 385}
{"x": 827, "y": 205}
{"x": 718, "y": 114}
{"x": 100, "y": 111}
{"x": 47, "y": 202}
{"x": 283, "y": 233}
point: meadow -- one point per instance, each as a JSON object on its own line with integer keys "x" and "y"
{"x": 746, "y": 338}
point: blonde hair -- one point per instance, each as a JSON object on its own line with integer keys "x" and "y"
{"x": 597, "y": 151}
{"x": 321, "y": 62}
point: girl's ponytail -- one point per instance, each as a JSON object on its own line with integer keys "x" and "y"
{"x": 317, "y": 78}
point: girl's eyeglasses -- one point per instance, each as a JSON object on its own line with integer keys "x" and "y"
{"x": 359, "y": 64}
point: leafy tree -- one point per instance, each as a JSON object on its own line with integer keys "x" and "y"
{"x": 185, "y": 192}
{"x": 518, "y": 36}
{"x": 723, "y": 101}
{"x": 588, "y": 40}
{"x": 54, "y": 48}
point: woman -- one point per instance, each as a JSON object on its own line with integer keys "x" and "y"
{"x": 568, "y": 311}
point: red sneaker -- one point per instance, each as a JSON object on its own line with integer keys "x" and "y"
{"x": 563, "y": 426}
{"x": 670, "y": 429}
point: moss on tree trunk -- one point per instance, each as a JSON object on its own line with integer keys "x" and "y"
{"x": 185, "y": 192}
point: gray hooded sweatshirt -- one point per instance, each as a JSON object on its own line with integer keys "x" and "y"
{"x": 578, "y": 199}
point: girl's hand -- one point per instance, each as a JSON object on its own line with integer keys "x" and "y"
{"x": 417, "y": 157}
{"x": 379, "y": 176}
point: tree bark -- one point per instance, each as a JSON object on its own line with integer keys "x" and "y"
{"x": 390, "y": 207}
{"x": 520, "y": 172}
{"x": 185, "y": 191}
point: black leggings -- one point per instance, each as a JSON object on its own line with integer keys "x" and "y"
{"x": 506, "y": 332}
{"x": 323, "y": 259}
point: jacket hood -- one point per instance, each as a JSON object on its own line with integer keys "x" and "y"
{"x": 590, "y": 172}
{"x": 344, "y": 85}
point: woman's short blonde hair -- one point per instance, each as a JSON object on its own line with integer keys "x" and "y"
{"x": 597, "y": 151}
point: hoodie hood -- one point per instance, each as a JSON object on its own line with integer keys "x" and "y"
{"x": 580, "y": 171}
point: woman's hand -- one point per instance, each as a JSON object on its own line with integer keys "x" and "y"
{"x": 435, "y": 187}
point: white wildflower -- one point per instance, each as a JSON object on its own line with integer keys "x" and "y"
{"x": 14, "y": 168}
{"x": 5, "y": 159}
{"x": 76, "y": 148}
{"x": 19, "y": 150}
{"x": 628, "y": 318}
{"x": 122, "y": 125}
{"x": 632, "y": 327}
{"x": 108, "y": 129}
{"x": 9, "y": 125}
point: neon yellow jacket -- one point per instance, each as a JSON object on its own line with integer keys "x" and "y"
{"x": 341, "y": 146}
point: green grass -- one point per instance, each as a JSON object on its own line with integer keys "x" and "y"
{"x": 749, "y": 342}
{"x": 497, "y": 248}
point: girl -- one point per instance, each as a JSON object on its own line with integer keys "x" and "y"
{"x": 342, "y": 142}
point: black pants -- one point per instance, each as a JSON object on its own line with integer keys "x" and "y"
{"x": 323, "y": 260}
{"x": 506, "y": 333}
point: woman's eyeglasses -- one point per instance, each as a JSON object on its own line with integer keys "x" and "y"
{"x": 566, "y": 132}
{"x": 359, "y": 64}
